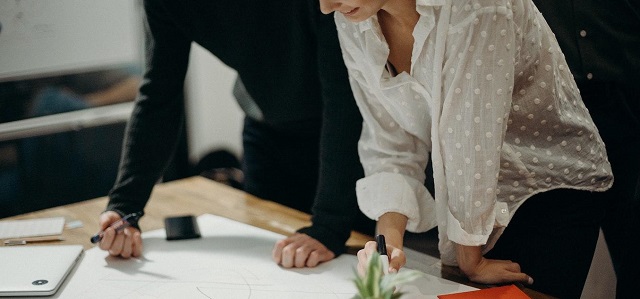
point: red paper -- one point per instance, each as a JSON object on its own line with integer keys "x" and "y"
{"x": 505, "y": 292}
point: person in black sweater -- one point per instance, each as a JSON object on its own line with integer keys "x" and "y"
{"x": 301, "y": 127}
{"x": 601, "y": 42}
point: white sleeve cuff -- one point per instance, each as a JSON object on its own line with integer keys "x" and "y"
{"x": 457, "y": 234}
{"x": 389, "y": 192}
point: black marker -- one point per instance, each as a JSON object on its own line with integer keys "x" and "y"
{"x": 119, "y": 225}
{"x": 382, "y": 250}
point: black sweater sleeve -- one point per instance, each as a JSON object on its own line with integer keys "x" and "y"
{"x": 335, "y": 208}
{"x": 152, "y": 131}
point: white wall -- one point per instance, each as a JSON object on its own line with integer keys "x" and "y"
{"x": 40, "y": 38}
{"x": 214, "y": 119}
{"x": 601, "y": 281}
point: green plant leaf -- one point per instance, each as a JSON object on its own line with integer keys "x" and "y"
{"x": 400, "y": 278}
{"x": 375, "y": 285}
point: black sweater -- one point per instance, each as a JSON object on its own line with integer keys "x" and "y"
{"x": 287, "y": 55}
{"x": 601, "y": 39}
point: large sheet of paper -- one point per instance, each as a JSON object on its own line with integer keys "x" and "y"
{"x": 231, "y": 260}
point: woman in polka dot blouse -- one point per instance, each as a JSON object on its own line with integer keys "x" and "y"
{"x": 483, "y": 88}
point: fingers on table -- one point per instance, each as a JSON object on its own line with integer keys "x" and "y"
{"x": 300, "y": 251}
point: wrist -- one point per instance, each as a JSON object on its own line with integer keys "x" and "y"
{"x": 469, "y": 258}
{"x": 392, "y": 226}
{"x": 334, "y": 241}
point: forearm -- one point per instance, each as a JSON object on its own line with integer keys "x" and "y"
{"x": 336, "y": 205}
{"x": 392, "y": 225}
{"x": 158, "y": 114}
{"x": 150, "y": 141}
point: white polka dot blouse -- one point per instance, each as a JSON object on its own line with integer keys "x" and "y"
{"x": 489, "y": 100}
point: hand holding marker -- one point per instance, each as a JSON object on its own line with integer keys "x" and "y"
{"x": 119, "y": 225}
{"x": 382, "y": 250}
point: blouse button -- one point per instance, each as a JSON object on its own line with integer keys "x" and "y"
{"x": 583, "y": 33}
{"x": 589, "y": 76}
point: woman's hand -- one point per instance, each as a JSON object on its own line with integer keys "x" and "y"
{"x": 486, "y": 271}
{"x": 391, "y": 225}
{"x": 396, "y": 257}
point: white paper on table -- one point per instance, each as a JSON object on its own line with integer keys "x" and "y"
{"x": 231, "y": 260}
{"x": 31, "y": 227}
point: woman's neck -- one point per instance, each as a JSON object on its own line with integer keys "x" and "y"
{"x": 400, "y": 13}
{"x": 397, "y": 19}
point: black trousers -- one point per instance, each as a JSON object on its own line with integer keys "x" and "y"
{"x": 553, "y": 236}
{"x": 615, "y": 109}
{"x": 281, "y": 162}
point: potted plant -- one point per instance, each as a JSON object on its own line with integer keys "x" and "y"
{"x": 376, "y": 285}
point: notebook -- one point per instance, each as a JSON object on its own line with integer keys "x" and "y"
{"x": 36, "y": 270}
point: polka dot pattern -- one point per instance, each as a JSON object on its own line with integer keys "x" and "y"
{"x": 501, "y": 118}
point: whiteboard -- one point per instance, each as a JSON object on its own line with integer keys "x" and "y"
{"x": 40, "y": 38}
{"x": 232, "y": 260}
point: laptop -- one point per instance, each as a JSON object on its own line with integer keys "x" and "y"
{"x": 36, "y": 270}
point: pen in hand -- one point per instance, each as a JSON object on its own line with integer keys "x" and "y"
{"x": 382, "y": 250}
{"x": 119, "y": 225}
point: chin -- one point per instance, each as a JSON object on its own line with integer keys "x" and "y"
{"x": 355, "y": 19}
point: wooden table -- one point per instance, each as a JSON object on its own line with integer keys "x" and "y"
{"x": 197, "y": 196}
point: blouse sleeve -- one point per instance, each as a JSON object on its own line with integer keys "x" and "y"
{"x": 394, "y": 161}
{"x": 477, "y": 87}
